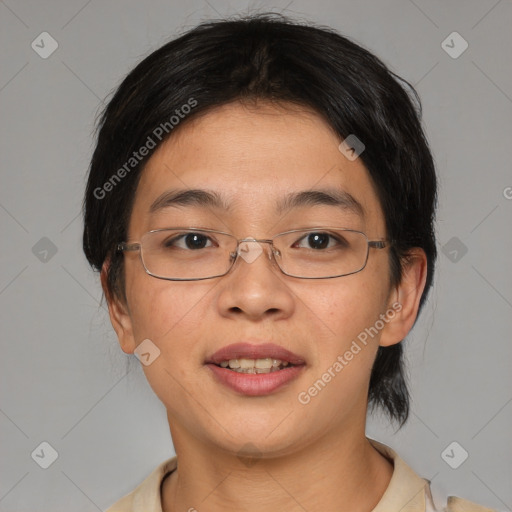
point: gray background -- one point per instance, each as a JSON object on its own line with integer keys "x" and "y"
{"x": 63, "y": 378}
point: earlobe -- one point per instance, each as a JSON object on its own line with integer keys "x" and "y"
{"x": 119, "y": 314}
{"x": 405, "y": 298}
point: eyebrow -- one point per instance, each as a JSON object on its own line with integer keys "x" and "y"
{"x": 325, "y": 197}
{"x": 208, "y": 199}
{"x": 191, "y": 197}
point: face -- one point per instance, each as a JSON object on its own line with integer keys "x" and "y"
{"x": 253, "y": 158}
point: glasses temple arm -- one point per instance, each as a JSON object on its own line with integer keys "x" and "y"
{"x": 124, "y": 246}
{"x": 379, "y": 244}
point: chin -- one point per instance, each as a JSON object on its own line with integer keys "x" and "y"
{"x": 261, "y": 440}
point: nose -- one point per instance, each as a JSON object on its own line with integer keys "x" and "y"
{"x": 255, "y": 287}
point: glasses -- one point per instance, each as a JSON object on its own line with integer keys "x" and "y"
{"x": 192, "y": 254}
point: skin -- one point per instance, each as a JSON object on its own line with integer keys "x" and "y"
{"x": 312, "y": 456}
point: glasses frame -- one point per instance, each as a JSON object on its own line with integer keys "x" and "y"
{"x": 137, "y": 246}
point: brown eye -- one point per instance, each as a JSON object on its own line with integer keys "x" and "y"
{"x": 191, "y": 241}
{"x": 320, "y": 240}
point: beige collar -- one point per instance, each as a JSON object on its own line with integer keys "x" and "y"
{"x": 406, "y": 492}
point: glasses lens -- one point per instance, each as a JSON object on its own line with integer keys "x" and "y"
{"x": 321, "y": 253}
{"x": 187, "y": 253}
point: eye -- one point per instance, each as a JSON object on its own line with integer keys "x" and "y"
{"x": 320, "y": 240}
{"x": 191, "y": 241}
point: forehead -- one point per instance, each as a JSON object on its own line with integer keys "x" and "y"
{"x": 255, "y": 160}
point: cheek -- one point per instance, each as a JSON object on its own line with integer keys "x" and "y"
{"x": 164, "y": 311}
{"x": 348, "y": 306}
{"x": 338, "y": 380}
{"x": 171, "y": 316}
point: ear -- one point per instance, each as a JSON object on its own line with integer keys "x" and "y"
{"x": 405, "y": 298}
{"x": 119, "y": 314}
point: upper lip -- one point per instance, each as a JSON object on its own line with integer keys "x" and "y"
{"x": 251, "y": 351}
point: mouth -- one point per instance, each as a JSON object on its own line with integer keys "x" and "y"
{"x": 255, "y": 370}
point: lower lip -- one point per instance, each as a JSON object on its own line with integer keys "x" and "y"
{"x": 255, "y": 384}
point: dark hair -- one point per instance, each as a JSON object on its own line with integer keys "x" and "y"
{"x": 269, "y": 57}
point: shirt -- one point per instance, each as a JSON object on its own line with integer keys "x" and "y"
{"x": 406, "y": 492}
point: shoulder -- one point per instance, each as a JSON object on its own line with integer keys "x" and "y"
{"x": 146, "y": 496}
{"x": 461, "y": 505}
{"x": 408, "y": 491}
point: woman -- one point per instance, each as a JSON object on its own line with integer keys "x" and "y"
{"x": 260, "y": 205}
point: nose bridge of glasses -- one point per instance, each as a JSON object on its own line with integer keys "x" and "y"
{"x": 249, "y": 249}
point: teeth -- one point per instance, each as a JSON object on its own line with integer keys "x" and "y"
{"x": 246, "y": 363}
{"x": 265, "y": 365}
{"x": 255, "y": 370}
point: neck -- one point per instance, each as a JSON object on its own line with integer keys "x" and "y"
{"x": 337, "y": 469}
